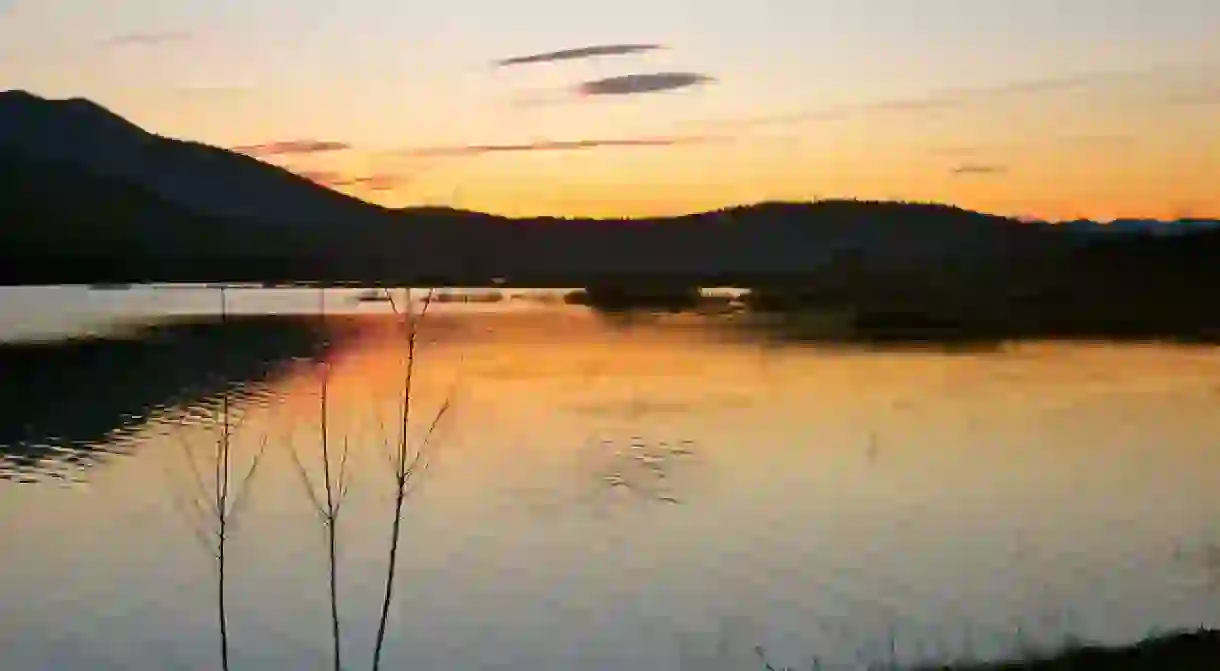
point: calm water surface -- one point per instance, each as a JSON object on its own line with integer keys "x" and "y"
{"x": 604, "y": 493}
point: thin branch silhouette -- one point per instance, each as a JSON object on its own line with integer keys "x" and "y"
{"x": 215, "y": 500}
{"x": 330, "y": 502}
{"x": 407, "y": 464}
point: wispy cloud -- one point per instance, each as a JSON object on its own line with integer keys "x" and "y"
{"x": 1049, "y": 84}
{"x": 1086, "y": 141}
{"x": 947, "y": 99}
{"x": 1099, "y": 141}
{"x": 979, "y": 169}
{"x": 642, "y": 83}
{"x": 839, "y": 112}
{"x": 1200, "y": 97}
{"x": 324, "y": 177}
{"x": 210, "y": 91}
{"x": 290, "y": 147}
{"x": 555, "y": 145}
{"x": 592, "y": 51}
{"x": 372, "y": 182}
{"x": 378, "y": 181}
{"x": 148, "y": 39}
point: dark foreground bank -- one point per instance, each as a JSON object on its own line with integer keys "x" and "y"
{"x": 1180, "y": 651}
{"x": 1189, "y": 651}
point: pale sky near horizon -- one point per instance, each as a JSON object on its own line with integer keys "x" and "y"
{"x": 1047, "y": 108}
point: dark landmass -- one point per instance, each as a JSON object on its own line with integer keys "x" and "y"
{"x": 1192, "y": 651}
{"x": 63, "y": 402}
{"x": 88, "y": 198}
{"x": 1128, "y": 288}
{"x": 620, "y": 297}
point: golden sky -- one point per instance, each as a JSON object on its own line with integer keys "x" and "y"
{"x": 1091, "y": 108}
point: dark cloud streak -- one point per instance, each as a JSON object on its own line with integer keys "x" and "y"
{"x": 642, "y": 83}
{"x": 289, "y": 147}
{"x": 979, "y": 169}
{"x": 554, "y": 145}
{"x": 592, "y": 51}
{"x": 335, "y": 180}
{"x": 324, "y": 177}
{"x": 148, "y": 39}
{"x": 378, "y": 182}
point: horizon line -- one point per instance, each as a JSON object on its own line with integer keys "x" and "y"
{"x": 745, "y": 205}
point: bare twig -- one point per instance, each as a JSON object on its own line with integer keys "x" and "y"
{"x": 329, "y": 503}
{"x": 241, "y": 494}
{"x": 189, "y": 507}
{"x": 215, "y": 500}
{"x": 407, "y": 466}
{"x": 223, "y": 455}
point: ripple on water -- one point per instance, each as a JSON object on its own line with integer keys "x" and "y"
{"x": 59, "y": 458}
{"x": 638, "y": 469}
{"x": 38, "y": 461}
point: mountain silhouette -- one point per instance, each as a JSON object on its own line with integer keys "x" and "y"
{"x": 202, "y": 179}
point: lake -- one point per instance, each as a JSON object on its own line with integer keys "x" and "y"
{"x": 602, "y": 492}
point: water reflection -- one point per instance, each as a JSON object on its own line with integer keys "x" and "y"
{"x": 850, "y": 505}
{"x": 65, "y": 404}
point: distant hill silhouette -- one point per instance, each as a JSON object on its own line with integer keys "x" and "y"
{"x": 87, "y": 197}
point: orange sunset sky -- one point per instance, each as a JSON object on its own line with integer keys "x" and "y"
{"x": 1089, "y": 108}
